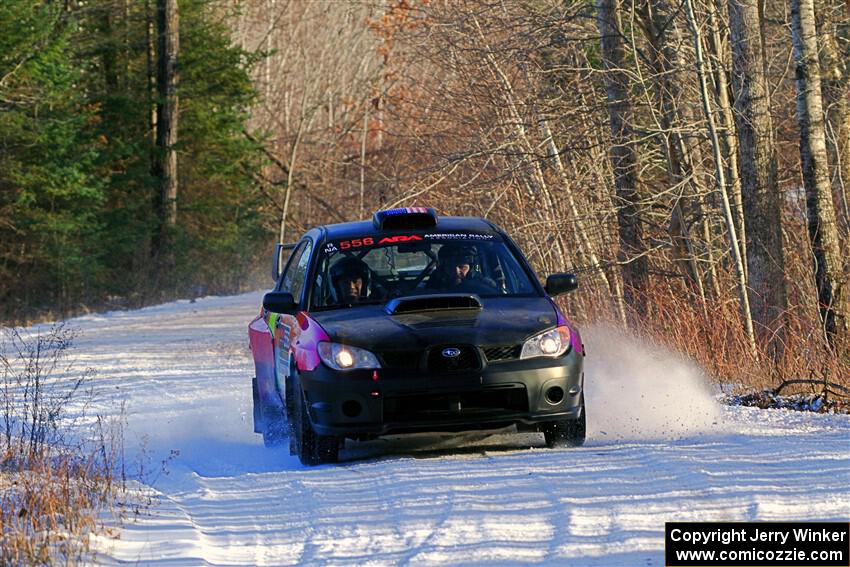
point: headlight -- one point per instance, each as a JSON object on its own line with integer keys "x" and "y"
{"x": 551, "y": 343}
{"x": 344, "y": 357}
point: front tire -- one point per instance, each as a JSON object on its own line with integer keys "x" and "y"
{"x": 567, "y": 432}
{"x": 312, "y": 449}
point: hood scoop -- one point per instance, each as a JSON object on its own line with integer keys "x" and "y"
{"x": 437, "y": 302}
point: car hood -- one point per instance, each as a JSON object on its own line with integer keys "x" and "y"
{"x": 502, "y": 321}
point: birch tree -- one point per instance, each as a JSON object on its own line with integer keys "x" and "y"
{"x": 823, "y": 229}
{"x": 834, "y": 51}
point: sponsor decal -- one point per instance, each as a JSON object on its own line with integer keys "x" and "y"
{"x": 366, "y": 241}
{"x": 285, "y": 335}
{"x": 399, "y": 238}
{"x": 285, "y": 344}
{"x": 458, "y": 236}
{"x": 272, "y": 321}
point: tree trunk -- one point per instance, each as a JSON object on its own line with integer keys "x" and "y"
{"x": 632, "y": 254}
{"x": 727, "y": 130}
{"x": 759, "y": 185}
{"x": 167, "y": 78}
{"x": 731, "y": 230}
{"x": 823, "y": 229}
{"x": 834, "y": 51}
{"x": 682, "y": 149}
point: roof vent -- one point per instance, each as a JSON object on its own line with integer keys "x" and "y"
{"x": 437, "y": 302}
{"x": 406, "y": 217}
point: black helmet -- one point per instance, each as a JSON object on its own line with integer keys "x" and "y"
{"x": 457, "y": 253}
{"x": 352, "y": 268}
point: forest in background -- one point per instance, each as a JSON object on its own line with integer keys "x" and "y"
{"x": 83, "y": 221}
{"x": 689, "y": 159}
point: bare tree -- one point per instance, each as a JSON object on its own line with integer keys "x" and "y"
{"x": 759, "y": 186}
{"x": 718, "y": 41}
{"x": 676, "y": 122}
{"x": 731, "y": 228}
{"x": 834, "y": 49}
{"x": 320, "y": 78}
{"x": 623, "y": 156}
{"x": 823, "y": 229}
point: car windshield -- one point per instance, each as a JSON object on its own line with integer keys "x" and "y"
{"x": 374, "y": 269}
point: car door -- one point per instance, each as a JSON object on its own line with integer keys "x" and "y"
{"x": 284, "y": 326}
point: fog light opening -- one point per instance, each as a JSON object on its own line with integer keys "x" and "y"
{"x": 351, "y": 408}
{"x": 555, "y": 395}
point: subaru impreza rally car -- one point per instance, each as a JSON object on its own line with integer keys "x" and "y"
{"x": 410, "y": 323}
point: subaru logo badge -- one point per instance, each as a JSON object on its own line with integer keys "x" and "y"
{"x": 451, "y": 352}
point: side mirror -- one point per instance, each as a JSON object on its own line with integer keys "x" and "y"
{"x": 556, "y": 284}
{"x": 280, "y": 302}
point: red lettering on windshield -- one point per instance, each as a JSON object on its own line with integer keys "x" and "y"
{"x": 399, "y": 238}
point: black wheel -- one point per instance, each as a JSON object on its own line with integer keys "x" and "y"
{"x": 312, "y": 449}
{"x": 567, "y": 432}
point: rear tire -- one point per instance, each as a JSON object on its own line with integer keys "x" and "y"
{"x": 567, "y": 432}
{"x": 312, "y": 448}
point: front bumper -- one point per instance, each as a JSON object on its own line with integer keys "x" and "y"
{"x": 366, "y": 403}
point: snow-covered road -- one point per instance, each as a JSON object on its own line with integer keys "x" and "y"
{"x": 659, "y": 449}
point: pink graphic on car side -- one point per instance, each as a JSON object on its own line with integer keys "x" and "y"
{"x": 306, "y": 346}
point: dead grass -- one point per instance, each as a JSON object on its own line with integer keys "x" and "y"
{"x": 61, "y": 470}
{"x": 48, "y": 509}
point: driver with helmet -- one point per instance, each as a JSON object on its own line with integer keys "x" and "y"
{"x": 456, "y": 270}
{"x": 351, "y": 280}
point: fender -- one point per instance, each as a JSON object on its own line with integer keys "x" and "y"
{"x": 306, "y": 344}
{"x": 260, "y": 343}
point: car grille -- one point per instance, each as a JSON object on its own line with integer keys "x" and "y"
{"x": 499, "y": 353}
{"x": 481, "y": 403}
{"x": 465, "y": 361}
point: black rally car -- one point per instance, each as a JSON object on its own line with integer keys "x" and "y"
{"x": 412, "y": 322}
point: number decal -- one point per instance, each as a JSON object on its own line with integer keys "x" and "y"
{"x": 356, "y": 243}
